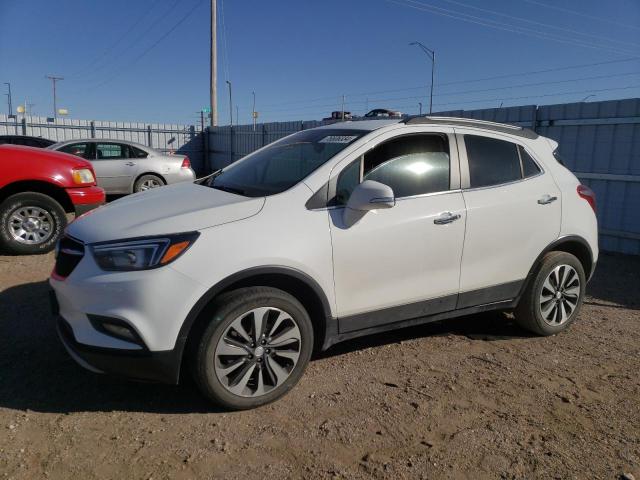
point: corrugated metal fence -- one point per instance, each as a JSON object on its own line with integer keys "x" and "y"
{"x": 599, "y": 141}
{"x": 161, "y": 136}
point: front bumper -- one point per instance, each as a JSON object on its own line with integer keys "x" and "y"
{"x": 85, "y": 199}
{"x": 163, "y": 367}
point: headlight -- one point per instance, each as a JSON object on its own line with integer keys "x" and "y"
{"x": 82, "y": 176}
{"x": 142, "y": 253}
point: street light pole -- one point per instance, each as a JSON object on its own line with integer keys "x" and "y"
{"x": 9, "y": 98}
{"x": 432, "y": 55}
{"x": 230, "y": 105}
{"x": 253, "y": 111}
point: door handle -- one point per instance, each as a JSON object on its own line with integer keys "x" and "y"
{"x": 130, "y": 164}
{"x": 446, "y": 217}
{"x": 547, "y": 199}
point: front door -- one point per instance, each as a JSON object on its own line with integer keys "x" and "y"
{"x": 402, "y": 262}
{"x": 114, "y": 169}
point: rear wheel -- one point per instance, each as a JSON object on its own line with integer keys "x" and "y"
{"x": 30, "y": 223}
{"x": 254, "y": 349}
{"x": 554, "y": 296}
{"x": 147, "y": 182}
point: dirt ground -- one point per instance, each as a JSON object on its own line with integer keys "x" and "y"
{"x": 469, "y": 398}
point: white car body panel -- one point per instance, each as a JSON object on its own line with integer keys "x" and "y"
{"x": 176, "y": 208}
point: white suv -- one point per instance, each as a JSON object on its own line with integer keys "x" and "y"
{"x": 325, "y": 235}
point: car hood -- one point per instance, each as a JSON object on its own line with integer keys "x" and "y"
{"x": 182, "y": 207}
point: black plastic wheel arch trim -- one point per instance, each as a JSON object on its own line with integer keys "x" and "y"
{"x": 221, "y": 286}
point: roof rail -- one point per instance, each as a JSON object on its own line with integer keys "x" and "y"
{"x": 472, "y": 122}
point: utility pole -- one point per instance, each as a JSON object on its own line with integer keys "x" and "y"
{"x": 213, "y": 74}
{"x": 432, "y": 55}
{"x": 230, "y": 105}
{"x": 54, "y": 79}
{"x": 201, "y": 120}
{"x": 253, "y": 111}
{"x": 420, "y": 104}
{"x": 237, "y": 116}
{"x": 343, "y": 108}
{"x": 9, "y": 98}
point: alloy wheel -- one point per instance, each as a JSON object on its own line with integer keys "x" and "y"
{"x": 257, "y": 352}
{"x": 31, "y": 225}
{"x": 148, "y": 184}
{"x": 560, "y": 295}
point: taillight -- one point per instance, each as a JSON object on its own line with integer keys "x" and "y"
{"x": 587, "y": 194}
{"x": 186, "y": 163}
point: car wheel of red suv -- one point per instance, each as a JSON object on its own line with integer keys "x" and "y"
{"x": 30, "y": 223}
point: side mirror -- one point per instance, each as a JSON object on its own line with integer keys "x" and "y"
{"x": 371, "y": 195}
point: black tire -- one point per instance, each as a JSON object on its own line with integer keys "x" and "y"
{"x": 139, "y": 186}
{"x": 529, "y": 312}
{"x": 56, "y": 222}
{"x": 225, "y": 310}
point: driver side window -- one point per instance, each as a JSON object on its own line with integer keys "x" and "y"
{"x": 415, "y": 164}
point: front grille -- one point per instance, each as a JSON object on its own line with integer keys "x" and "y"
{"x": 68, "y": 255}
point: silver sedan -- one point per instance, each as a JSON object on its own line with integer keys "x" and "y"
{"x": 127, "y": 167}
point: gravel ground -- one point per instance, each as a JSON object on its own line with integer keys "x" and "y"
{"x": 469, "y": 398}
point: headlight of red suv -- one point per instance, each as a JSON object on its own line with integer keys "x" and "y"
{"x": 82, "y": 176}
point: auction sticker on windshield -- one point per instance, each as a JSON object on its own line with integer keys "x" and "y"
{"x": 338, "y": 139}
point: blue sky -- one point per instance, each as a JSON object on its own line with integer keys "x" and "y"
{"x": 147, "y": 60}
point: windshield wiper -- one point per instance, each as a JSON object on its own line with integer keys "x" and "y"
{"x": 226, "y": 188}
{"x": 209, "y": 177}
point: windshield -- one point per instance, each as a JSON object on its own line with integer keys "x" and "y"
{"x": 284, "y": 163}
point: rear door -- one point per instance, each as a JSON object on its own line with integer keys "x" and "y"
{"x": 114, "y": 169}
{"x": 513, "y": 214}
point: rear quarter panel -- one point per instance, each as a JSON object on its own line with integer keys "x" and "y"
{"x": 578, "y": 218}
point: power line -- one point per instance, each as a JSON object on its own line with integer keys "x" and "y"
{"x": 493, "y": 100}
{"x": 459, "y": 82}
{"x": 533, "y": 22}
{"x": 503, "y": 26}
{"x": 117, "y": 42}
{"x": 584, "y": 15}
{"x": 131, "y": 45}
{"x": 578, "y": 92}
{"x": 458, "y": 102}
{"x": 506, "y": 26}
{"x": 535, "y": 84}
{"x": 152, "y": 46}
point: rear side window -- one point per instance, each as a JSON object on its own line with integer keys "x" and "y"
{"x": 491, "y": 161}
{"x": 110, "y": 151}
{"x": 135, "y": 152}
{"x": 529, "y": 166}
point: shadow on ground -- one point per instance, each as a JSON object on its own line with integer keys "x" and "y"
{"x": 37, "y": 374}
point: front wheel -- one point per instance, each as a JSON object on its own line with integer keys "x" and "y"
{"x": 30, "y": 223}
{"x": 254, "y": 349}
{"x": 553, "y": 298}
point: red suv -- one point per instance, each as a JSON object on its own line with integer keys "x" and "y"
{"x": 37, "y": 189}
